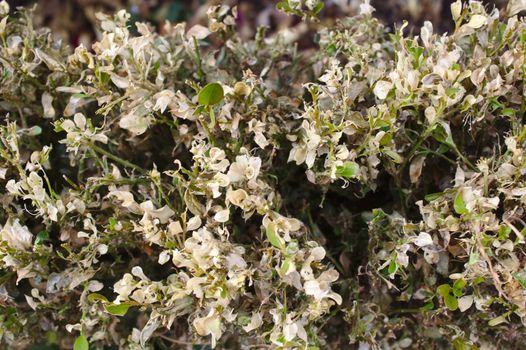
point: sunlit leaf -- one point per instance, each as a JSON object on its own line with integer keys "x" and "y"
{"x": 274, "y": 238}
{"x": 451, "y": 302}
{"x": 94, "y": 297}
{"x": 117, "y": 309}
{"x": 211, "y": 94}
{"x": 347, "y": 170}
{"x": 459, "y": 205}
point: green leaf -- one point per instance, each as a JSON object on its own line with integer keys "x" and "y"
{"x": 521, "y": 278}
{"x": 478, "y": 280}
{"x": 273, "y": 237}
{"x": 508, "y": 112}
{"x": 392, "y": 267}
{"x": 94, "y": 297}
{"x": 284, "y": 267}
{"x": 417, "y": 52}
{"x": 444, "y": 289}
{"x": 112, "y": 222}
{"x": 58, "y": 126}
{"x": 460, "y": 344}
{"x": 497, "y": 320}
{"x": 451, "y": 92}
{"x": 457, "y": 292}
{"x": 395, "y": 157}
{"x": 199, "y": 110}
{"x": 51, "y": 337}
{"x": 211, "y": 94}
{"x": 283, "y": 6}
{"x": 377, "y": 215}
{"x": 117, "y": 309}
{"x": 428, "y": 306}
{"x": 442, "y": 133}
{"x": 243, "y": 320}
{"x": 331, "y": 49}
{"x": 451, "y": 302}
{"x": 459, "y": 205}
{"x": 387, "y": 138}
{"x": 347, "y": 170}
{"x": 318, "y": 8}
{"x": 433, "y": 196}
{"x": 459, "y": 284}
{"x": 81, "y": 343}
{"x": 504, "y": 232}
{"x": 41, "y": 237}
{"x": 35, "y": 130}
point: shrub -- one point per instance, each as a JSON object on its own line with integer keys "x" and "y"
{"x": 191, "y": 187}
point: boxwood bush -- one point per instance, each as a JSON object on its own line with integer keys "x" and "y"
{"x": 189, "y": 189}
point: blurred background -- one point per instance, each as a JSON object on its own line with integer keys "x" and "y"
{"x": 74, "y": 20}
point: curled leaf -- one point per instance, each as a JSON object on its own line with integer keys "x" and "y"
{"x": 459, "y": 205}
{"x": 273, "y": 237}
